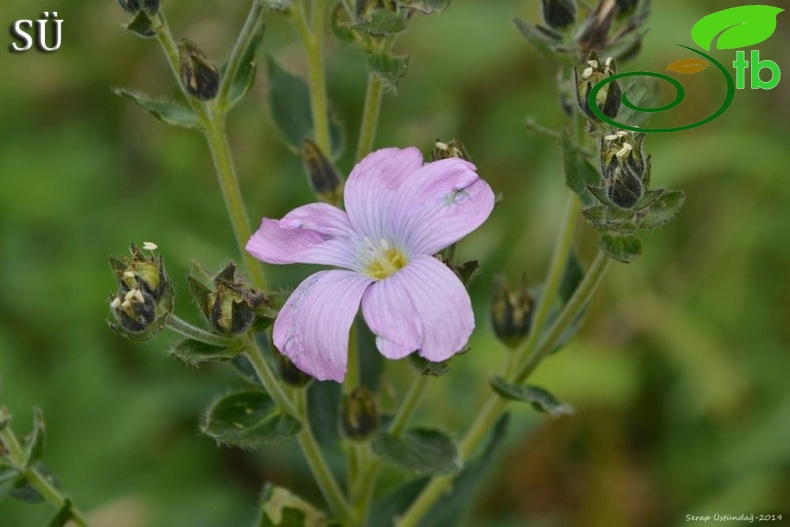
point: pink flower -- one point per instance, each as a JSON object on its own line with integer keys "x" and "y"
{"x": 399, "y": 213}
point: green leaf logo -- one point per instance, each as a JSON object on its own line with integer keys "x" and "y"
{"x": 739, "y": 27}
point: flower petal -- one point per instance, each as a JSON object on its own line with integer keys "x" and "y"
{"x": 312, "y": 327}
{"x": 317, "y": 233}
{"x": 372, "y": 184}
{"x": 424, "y": 306}
{"x": 440, "y": 204}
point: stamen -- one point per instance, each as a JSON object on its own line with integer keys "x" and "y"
{"x": 612, "y": 137}
{"x": 587, "y": 73}
{"x": 150, "y": 246}
{"x": 625, "y": 150}
{"x": 593, "y": 64}
{"x": 116, "y": 303}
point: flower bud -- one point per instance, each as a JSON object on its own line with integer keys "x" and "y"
{"x": 289, "y": 373}
{"x": 511, "y": 312}
{"x": 454, "y": 148}
{"x": 199, "y": 76}
{"x": 559, "y": 14}
{"x": 231, "y": 306}
{"x": 609, "y": 99}
{"x": 359, "y": 415}
{"x": 324, "y": 178}
{"x": 151, "y": 7}
{"x": 145, "y": 296}
{"x": 624, "y": 168}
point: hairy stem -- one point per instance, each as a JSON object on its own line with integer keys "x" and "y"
{"x": 370, "y": 116}
{"x": 36, "y": 480}
{"x": 188, "y": 330}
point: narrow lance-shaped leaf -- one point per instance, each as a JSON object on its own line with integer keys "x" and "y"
{"x": 244, "y": 80}
{"x": 195, "y": 353}
{"x": 34, "y": 445}
{"x": 663, "y": 210}
{"x": 63, "y": 516}
{"x": 739, "y": 27}
{"x": 540, "y": 399}
{"x": 168, "y": 112}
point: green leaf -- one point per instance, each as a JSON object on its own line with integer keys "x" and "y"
{"x": 426, "y": 7}
{"x": 289, "y": 103}
{"x": 141, "y": 25}
{"x": 244, "y": 79}
{"x": 388, "y": 68}
{"x": 579, "y": 173}
{"x": 540, "y": 399}
{"x": 420, "y": 450}
{"x": 663, "y": 210}
{"x": 281, "y": 508}
{"x": 382, "y": 22}
{"x": 323, "y": 411}
{"x": 34, "y": 444}
{"x": 248, "y": 419}
{"x": 571, "y": 277}
{"x": 624, "y": 249}
{"x": 342, "y": 29}
{"x": 5, "y": 418}
{"x": 739, "y": 27}
{"x": 63, "y": 516}
{"x": 168, "y": 112}
{"x": 545, "y": 42}
{"x": 450, "y": 508}
{"x": 195, "y": 353}
{"x": 14, "y": 485}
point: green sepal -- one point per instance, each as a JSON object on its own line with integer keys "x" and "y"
{"x": 148, "y": 333}
{"x": 202, "y": 294}
{"x": 244, "y": 79}
{"x": 141, "y": 25}
{"x": 382, "y": 22}
{"x": 427, "y": 367}
{"x": 580, "y": 174}
{"x": 63, "y": 516}
{"x": 425, "y": 7}
{"x": 277, "y": 5}
{"x": 194, "y": 352}
{"x": 170, "y": 113}
{"x": 343, "y": 31}
{"x": 611, "y": 219}
{"x": 663, "y": 210}
{"x": 248, "y": 419}
{"x": 422, "y": 451}
{"x": 281, "y": 508}
{"x": 540, "y": 399}
{"x": 390, "y": 69}
{"x": 34, "y": 444}
{"x": 546, "y": 41}
{"x": 624, "y": 249}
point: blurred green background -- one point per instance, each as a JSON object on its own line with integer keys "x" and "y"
{"x": 680, "y": 377}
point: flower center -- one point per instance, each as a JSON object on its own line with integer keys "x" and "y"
{"x": 382, "y": 260}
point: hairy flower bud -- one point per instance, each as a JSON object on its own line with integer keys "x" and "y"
{"x": 360, "y": 418}
{"x": 609, "y": 99}
{"x": 324, "y": 178}
{"x": 454, "y": 148}
{"x": 199, "y": 76}
{"x": 231, "y": 306}
{"x": 625, "y": 168}
{"x": 289, "y": 373}
{"x": 145, "y": 296}
{"x": 511, "y": 312}
{"x": 559, "y": 14}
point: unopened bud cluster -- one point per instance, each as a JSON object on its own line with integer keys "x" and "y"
{"x": 145, "y": 295}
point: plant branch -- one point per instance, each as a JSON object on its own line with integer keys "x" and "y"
{"x": 188, "y": 330}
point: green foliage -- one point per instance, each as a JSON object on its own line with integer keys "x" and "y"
{"x": 737, "y": 27}
{"x": 195, "y": 353}
{"x": 389, "y": 68}
{"x": 34, "y": 444}
{"x": 419, "y": 450}
{"x": 248, "y": 419}
{"x": 580, "y": 174}
{"x": 63, "y": 515}
{"x": 14, "y": 485}
{"x": 540, "y": 399}
{"x": 663, "y": 210}
{"x": 171, "y": 113}
{"x": 624, "y": 249}
{"x": 545, "y": 41}
{"x": 244, "y": 79}
{"x": 382, "y": 22}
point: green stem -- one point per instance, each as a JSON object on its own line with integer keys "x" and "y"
{"x": 324, "y": 478}
{"x": 188, "y": 330}
{"x": 312, "y": 36}
{"x": 252, "y": 26}
{"x": 312, "y": 452}
{"x": 370, "y": 116}
{"x": 226, "y": 174}
{"x": 366, "y": 487}
{"x": 37, "y": 480}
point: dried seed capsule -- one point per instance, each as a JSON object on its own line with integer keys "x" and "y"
{"x": 359, "y": 415}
